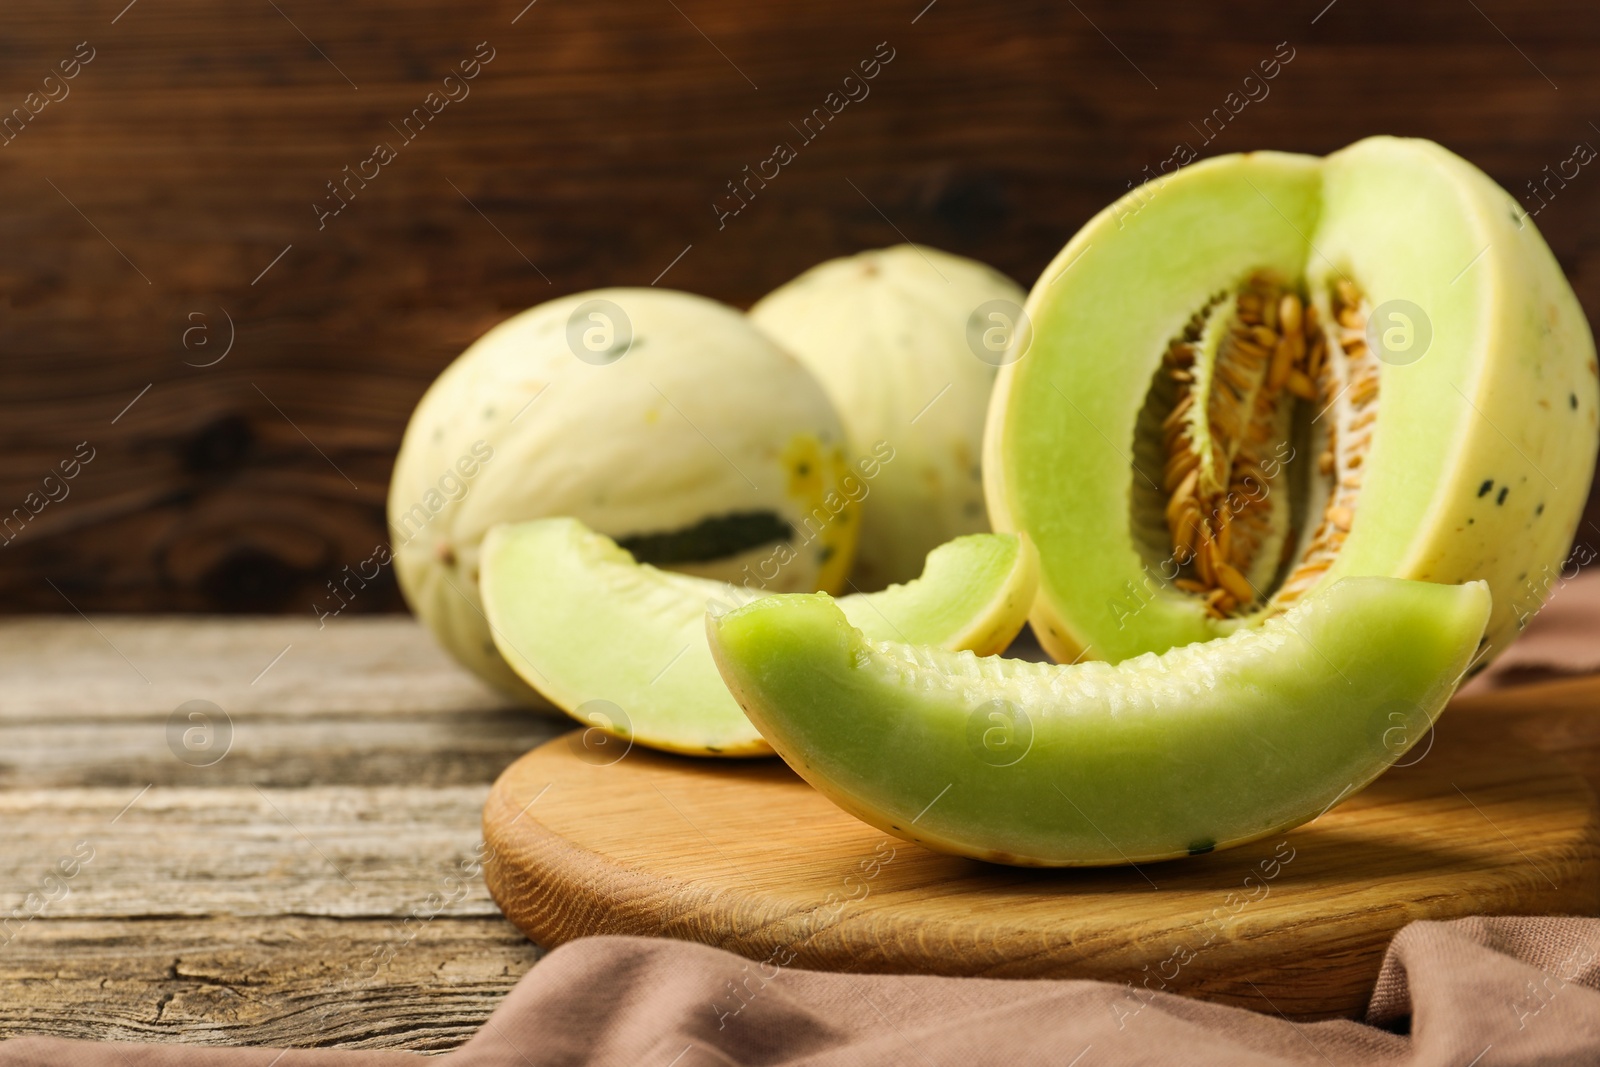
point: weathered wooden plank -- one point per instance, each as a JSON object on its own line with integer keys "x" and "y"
{"x": 318, "y": 884}
{"x": 101, "y": 703}
{"x": 114, "y": 667}
{"x": 287, "y": 981}
{"x": 422, "y": 750}
{"x": 325, "y": 850}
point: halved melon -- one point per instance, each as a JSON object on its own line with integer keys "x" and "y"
{"x": 1267, "y": 372}
{"x": 1203, "y": 747}
{"x": 579, "y": 620}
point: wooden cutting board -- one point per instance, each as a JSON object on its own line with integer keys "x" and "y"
{"x": 747, "y": 857}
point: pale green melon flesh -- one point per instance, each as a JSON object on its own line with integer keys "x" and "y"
{"x": 580, "y": 620}
{"x": 1203, "y": 747}
{"x": 1505, "y": 397}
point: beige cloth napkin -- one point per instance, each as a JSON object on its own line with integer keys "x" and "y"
{"x": 1475, "y": 992}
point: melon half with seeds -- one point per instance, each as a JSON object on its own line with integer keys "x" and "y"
{"x": 1268, "y": 372}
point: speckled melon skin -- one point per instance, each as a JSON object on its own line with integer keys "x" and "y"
{"x": 704, "y": 416}
{"x": 1522, "y": 415}
{"x": 1505, "y": 399}
{"x": 886, "y": 332}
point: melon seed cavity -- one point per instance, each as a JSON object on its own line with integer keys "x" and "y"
{"x": 1258, "y": 387}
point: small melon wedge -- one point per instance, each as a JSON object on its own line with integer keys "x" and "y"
{"x": 1206, "y": 746}
{"x": 578, "y": 619}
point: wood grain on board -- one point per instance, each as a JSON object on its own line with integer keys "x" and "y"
{"x": 751, "y": 859}
{"x": 168, "y": 204}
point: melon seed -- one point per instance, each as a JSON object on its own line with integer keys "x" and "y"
{"x": 1227, "y": 419}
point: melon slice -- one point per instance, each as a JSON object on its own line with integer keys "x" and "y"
{"x": 1203, "y": 747}
{"x": 1268, "y": 372}
{"x": 579, "y": 620}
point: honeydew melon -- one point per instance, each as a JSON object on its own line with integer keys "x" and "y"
{"x": 1203, "y": 747}
{"x": 906, "y": 341}
{"x": 663, "y": 419}
{"x": 1268, "y": 372}
{"x": 581, "y": 621}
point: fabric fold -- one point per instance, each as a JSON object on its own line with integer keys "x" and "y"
{"x": 1481, "y": 991}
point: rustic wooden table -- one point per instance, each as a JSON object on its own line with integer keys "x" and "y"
{"x": 313, "y": 885}
{"x": 296, "y": 867}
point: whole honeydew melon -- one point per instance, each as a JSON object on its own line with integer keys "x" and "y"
{"x": 661, "y": 419}
{"x": 895, "y": 337}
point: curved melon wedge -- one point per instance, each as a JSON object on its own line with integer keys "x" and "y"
{"x": 578, "y": 619}
{"x": 1205, "y": 746}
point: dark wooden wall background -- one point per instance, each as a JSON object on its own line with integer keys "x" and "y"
{"x": 188, "y": 154}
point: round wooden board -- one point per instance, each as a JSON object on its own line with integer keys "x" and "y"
{"x": 747, "y": 857}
